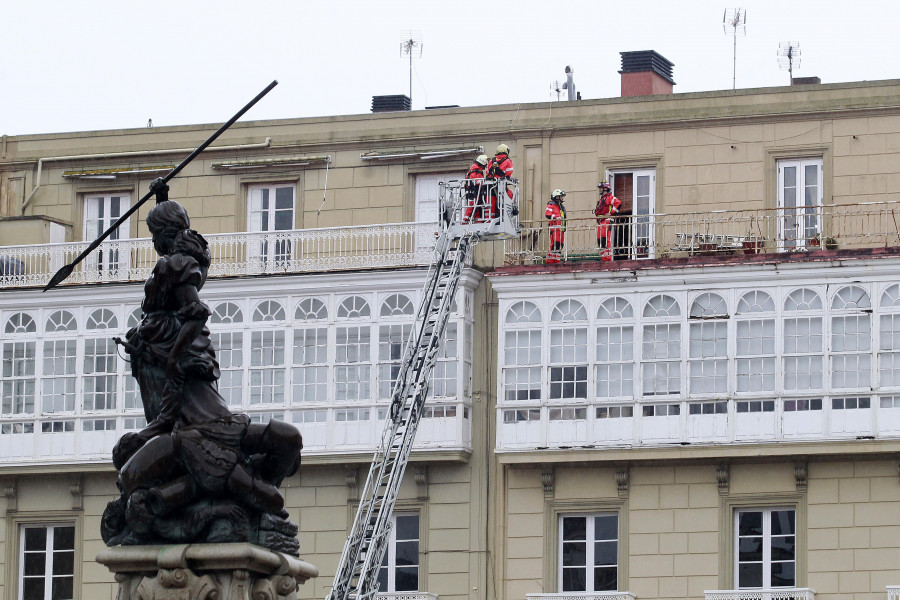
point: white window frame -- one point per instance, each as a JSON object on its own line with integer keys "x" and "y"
{"x": 590, "y": 542}
{"x": 110, "y": 257}
{"x": 270, "y": 246}
{"x": 390, "y": 554}
{"x": 767, "y": 545}
{"x": 643, "y": 209}
{"x": 48, "y": 576}
{"x": 799, "y": 223}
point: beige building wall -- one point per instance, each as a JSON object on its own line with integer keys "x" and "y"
{"x": 676, "y": 524}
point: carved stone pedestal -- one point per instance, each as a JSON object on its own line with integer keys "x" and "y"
{"x": 205, "y": 572}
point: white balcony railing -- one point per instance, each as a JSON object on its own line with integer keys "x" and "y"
{"x": 407, "y": 596}
{"x": 233, "y": 254}
{"x": 893, "y": 592}
{"x": 665, "y": 235}
{"x": 583, "y": 596}
{"x": 773, "y": 594}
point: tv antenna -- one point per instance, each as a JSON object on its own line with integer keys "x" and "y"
{"x": 411, "y": 46}
{"x": 734, "y": 19}
{"x": 556, "y": 88}
{"x": 788, "y": 57}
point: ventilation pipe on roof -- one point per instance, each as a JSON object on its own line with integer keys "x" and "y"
{"x": 569, "y": 85}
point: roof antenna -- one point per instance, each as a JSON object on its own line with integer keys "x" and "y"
{"x": 736, "y": 19}
{"x": 557, "y": 89}
{"x": 788, "y": 56}
{"x": 411, "y": 46}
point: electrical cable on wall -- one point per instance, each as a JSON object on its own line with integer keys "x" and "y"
{"x": 324, "y": 191}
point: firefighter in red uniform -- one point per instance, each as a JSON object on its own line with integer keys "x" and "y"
{"x": 607, "y": 207}
{"x": 476, "y": 196}
{"x": 500, "y": 167}
{"x": 556, "y": 214}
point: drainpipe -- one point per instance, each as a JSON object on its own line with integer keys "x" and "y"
{"x": 41, "y": 161}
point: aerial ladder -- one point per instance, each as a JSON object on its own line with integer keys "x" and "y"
{"x": 356, "y": 577}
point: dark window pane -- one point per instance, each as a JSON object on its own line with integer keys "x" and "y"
{"x": 750, "y": 576}
{"x": 574, "y": 528}
{"x": 574, "y": 554}
{"x": 783, "y": 574}
{"x": 605, "y": 579}
{"x": 35, "y": 538}
{"x": 782, "y": 522}
{"x": 750, "y": 523}
{"x": 64, "y": 563}
{"x": 35, "y": 563}
{"x": 382, "y": 579}
{"x": 574, "y": 580}
{"x": 284, "y": 198}
{"x": 783, "y": 548}
{"x": 407, "y": 579}
{"x": 63, "y": 538}
{"x": 605, "y": 553}
{"x": 284, "y": 220}
{"x": 62, "y": 588}
{"x": 606, "y": 527}
{"x": 408, "y": 527}
{"x": 407, "y": 553}
{"x": 33, "y": 589}
{"x": 750, "y": 549}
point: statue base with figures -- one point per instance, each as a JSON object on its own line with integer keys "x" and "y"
{"x": 205, "y": 572}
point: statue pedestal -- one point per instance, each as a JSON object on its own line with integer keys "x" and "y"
{"x": 205, "y": 572}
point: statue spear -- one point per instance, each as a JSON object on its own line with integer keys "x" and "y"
{"x": 67, "y": 270}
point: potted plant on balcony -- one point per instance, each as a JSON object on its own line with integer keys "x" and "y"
{"x": 752, "y": 244}
{"x": 814, "y": 241}
{"x": 831, "y": 243}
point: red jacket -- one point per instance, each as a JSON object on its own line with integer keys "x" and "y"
{"x": 476, "y": 171}
{"x": 607, "y": 206}
{"x": 556, "y": 213}
{"x": 500, "y": 167}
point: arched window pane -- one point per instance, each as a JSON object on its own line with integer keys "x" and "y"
{"x": 61, "y": 320}
{"x": 311, "y": 309}
{"x": 268, "y": 310}
{"x": 523, "y": 312}
{"x": 227, "y": 312}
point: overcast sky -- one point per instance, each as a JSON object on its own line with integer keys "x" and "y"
{"x": 80, "y": 65}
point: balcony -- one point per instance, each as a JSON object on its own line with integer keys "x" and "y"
{"x": 583, "y": 596}
{"x": 407, "y": 596}
{"x": 774, "y": 594}
{"x": 893, "y": 592}
{"x": 233, "y": 254}
{"x": 711, "y": 233}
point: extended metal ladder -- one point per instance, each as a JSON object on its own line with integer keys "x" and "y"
{"x": 357, "y": 573}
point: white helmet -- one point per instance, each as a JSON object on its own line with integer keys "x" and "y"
{"x": 557, "y": 193}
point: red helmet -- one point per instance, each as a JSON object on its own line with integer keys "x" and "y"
{"x": 604, "y": 185}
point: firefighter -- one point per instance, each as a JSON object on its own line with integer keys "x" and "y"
{"x": 475, "y": 192}
{"x": 607, "y": 207}
{"x": 500, "y": 167}
{"x": 556, "y": 214}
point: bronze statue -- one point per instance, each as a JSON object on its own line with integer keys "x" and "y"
{"x": 198, "y": 472}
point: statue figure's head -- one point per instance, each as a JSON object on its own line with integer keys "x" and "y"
{"x": 166, "y": 220}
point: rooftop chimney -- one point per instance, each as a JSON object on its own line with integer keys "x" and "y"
{"x": 644, "y": 73}
{"x": 391, "y": 103}
{"x": 805, "y": 80}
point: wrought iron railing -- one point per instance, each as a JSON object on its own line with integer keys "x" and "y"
{"x": 665, "y": 235}
{"x": 233, "y": 254}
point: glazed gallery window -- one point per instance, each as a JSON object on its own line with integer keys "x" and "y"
{"x": 765, "y": 552}
{"x": 400, "y": 567}
{"x": 271, "y": 209}
{"x": 588, "y": 552}
{"x": 101, "y": 211}
{"x": 46, "y": 562}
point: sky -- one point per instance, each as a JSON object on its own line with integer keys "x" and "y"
{"x": 90, "y": 65}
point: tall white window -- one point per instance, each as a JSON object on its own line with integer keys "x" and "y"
{"x": 392, "y": 338}
{"x": 799, "y": 203}
{"x": 18, "y": 366}
{"x": 46, "y": 562}
{"x": 271, "y": 209}
{"x": 100, "y": 362}
{"x": 765, "y": 548}
{"x": 755, "y": 348}
{"x": 588, "y": 552}
{"x": 229, "y": 347}
{"x": 310, "y": 352}
{"x": 400, "y": 568}
{"x": 353, "y": 351}
{"x": 522, "y": 352}
{"x": 637, "y": 192}
{"x": 267, "y": 361}
{"x": 568, "y": 350}
{"x": 851, "y": 339}
{"x": 59, "y": 372}
{"x": 101, "y": 211}
{"x": 661, "y": 347}
{"x": 615, "y": 349}
{"x": 889, "y": 338}
{"x": 803, "y": 347}
{"x": 708, "y": 352}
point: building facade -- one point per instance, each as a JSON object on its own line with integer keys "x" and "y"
{"x": 715, "y": 410}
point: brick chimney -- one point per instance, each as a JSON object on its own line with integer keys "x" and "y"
{"x": 644, "y": 73}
